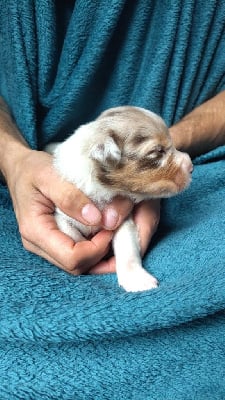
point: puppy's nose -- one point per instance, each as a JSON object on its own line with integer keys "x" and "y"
{"x": 186, "y": 163}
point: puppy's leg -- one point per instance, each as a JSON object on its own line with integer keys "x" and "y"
{"x": 67, "y": 226}
{"x": 131, "y": 275}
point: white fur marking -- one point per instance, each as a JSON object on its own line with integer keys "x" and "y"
{"x": 131, "y": 275}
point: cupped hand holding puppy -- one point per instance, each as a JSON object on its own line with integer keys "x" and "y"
{"x": 36, "y": 189}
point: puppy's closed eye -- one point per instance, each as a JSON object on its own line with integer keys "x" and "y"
{"x": 156, "y": 152}
{"x": 139, "y": 139}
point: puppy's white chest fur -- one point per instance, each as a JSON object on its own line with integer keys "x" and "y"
{"x": 126, "y": 151}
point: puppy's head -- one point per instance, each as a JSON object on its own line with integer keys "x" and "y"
{"x": 134, "y": 154}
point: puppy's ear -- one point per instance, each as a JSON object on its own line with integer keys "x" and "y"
{"x": 107, "y": 152}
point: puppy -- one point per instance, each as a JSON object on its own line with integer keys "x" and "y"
{"x": 126, "y": 151}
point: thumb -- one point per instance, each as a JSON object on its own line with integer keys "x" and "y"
{"x": 67, "y": 197}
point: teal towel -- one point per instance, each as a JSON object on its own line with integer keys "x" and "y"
{"x": 65, "y": 337}
{"x": 166, "y": 56}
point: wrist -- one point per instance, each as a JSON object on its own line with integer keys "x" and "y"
{"x": 12, "y": 151}
{"x": 12, "y": 145}
{"x": 176, "y": 137}
{"x": 182, "y": 135}
{"x": 203, "y": 129}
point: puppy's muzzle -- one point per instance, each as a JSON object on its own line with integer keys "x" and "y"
{"x": 186, "y": 167}
{"x": 186, "y": 163}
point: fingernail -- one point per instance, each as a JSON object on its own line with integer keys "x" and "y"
{"x": 110, "y": 218}
{"x": 91, "y": 214}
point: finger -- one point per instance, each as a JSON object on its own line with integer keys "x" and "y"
{"x": 115, "y": 213}
{"x": 60, "y": 249}
{"x": 29, "y": 246}
{"x": 146, "y": 217}
{"x": 91, "y": 252}
{"x": 104, "y": 267}
{"x": 76, "y": 270}
{"x": 67, "y": 197}
{"x": 78, "y": 263}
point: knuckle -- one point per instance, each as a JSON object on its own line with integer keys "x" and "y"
{"x": 24, "y": 231}
{"x": 66, "y": 202}
{"x": 70, "y": 264}
{"x": 152, "y": 226}
{"x": 155, "y": 222}
{"x": 72, "y": 268}
{"x": 25, "y": 244}
{"x": 72, "y": 199}
{"x": 76, "y": 264}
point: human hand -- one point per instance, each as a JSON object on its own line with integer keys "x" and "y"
{"x": 146, "y": 216}
{"x": 36, "y": 189}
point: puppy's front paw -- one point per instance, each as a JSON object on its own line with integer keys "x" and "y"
{"x": 138, "y": 280}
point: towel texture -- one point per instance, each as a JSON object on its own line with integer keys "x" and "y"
{"x": 65, "y": 337}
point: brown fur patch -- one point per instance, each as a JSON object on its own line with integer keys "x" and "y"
{"x": 132, "y": 177}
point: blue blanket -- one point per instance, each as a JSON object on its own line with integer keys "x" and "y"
{"x": 65, "y": 337}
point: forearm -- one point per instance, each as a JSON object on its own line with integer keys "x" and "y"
{"x": 203, "y": 129}
{"x": 12, "y": 144}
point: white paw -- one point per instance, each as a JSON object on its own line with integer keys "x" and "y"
{"x": 138, "y": 280}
